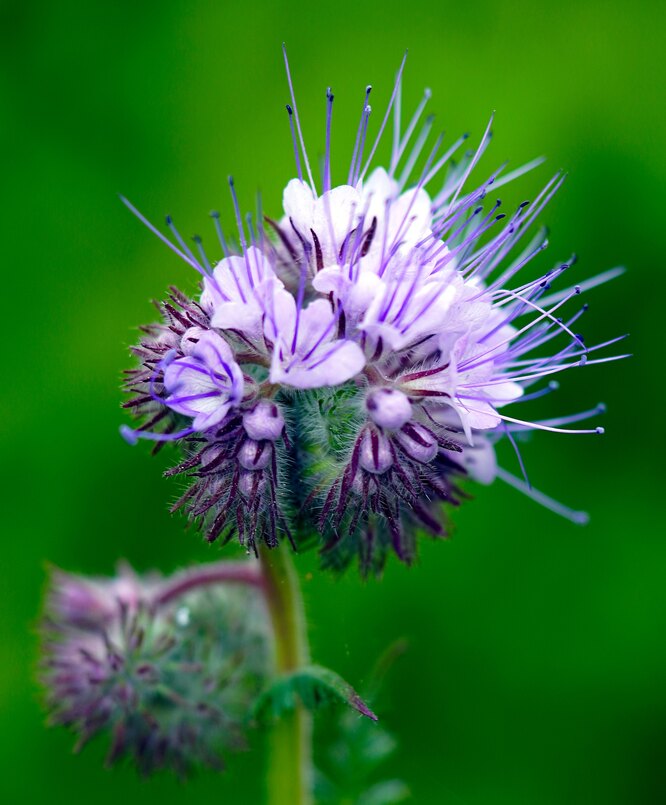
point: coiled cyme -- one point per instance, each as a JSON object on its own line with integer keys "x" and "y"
{"x": 347, "y": 364}
{"x": 170, "y": 673}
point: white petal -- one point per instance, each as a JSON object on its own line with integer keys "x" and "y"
{"x": 298, "y": 204}
{"x": 335, "y": 363}
{"x": 336, "y": 214}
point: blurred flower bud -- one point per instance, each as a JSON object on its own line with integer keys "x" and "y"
{"x": 171, "y": 678}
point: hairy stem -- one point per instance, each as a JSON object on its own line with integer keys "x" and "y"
{"x": 290, "y": 747}
{"x": 214, "y": 573}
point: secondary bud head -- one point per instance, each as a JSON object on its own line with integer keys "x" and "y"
{"x": 108, "y": 674}
{"x": 389, "y": 408}
{"x": 264, "y": 421}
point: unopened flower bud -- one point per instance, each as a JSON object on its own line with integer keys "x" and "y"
{"x": 264, "y": 421}
{"x": 375, "y": 453}
{"x": 251, "y": 484}
{"x": 190, "y": 339}
{"x": 389, "y": 408}
{"x": 254, "y": 455}
{"x": 418, "y": 442}
{"x": 80, "y": 602}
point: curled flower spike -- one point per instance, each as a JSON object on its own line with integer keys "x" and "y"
{"x": 344, "y": 370}
{"x": 125, "y": 656}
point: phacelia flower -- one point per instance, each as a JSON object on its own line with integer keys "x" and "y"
{"x": 125, "y": 656}
{"x": 347, "y": 365}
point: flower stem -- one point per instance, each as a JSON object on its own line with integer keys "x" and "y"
{"x": 290, "y": 741}
{"x": 213, "y": 573}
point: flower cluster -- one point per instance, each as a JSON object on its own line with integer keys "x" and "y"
{"x": 170, "y": 672}
{"x": 345, "y": 367}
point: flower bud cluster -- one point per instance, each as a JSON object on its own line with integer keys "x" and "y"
{"x": 120, "y": 659}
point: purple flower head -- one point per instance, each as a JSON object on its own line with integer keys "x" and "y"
{"x": 358, "y": 355}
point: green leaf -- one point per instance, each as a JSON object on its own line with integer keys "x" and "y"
{"x": 388, "y": 792}
{"x": 311, "y": 686}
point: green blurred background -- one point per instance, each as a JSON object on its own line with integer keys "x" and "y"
{"x": 536, "y": 671}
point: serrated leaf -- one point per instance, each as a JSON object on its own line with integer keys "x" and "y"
{"x": 311, "y": 686}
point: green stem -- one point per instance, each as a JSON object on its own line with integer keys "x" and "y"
{"x": 290, "y": 741}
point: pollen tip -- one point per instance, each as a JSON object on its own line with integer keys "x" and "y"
{"x": 600, "y": 430}
{"x": 290, "y": 111}
{"x": 553, "y": 385}
{"x": 427, "y": 93}
{"x": 230, "y": 179}
{"x": 196, "y": 238}
{"x": 601, "y": 408}
{"x": 128, "y": 434}
{"x": 577, "y": 289}
{"x": 214, "y": 213}
{"x": 169, "y": 220}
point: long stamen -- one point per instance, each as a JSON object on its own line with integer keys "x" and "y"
{"x": 182, "y": 244}
{"x": 296, "y": 118}
{"x": 202, "y": 254}
{"x": 290, "y": 112}
{"x": 386, "y": 117}
{"x": 241, "y": 231}
{"x": 586, "y": 285}
{"x": 399, "y": 149}
{"x": 519, "y": 455}
{"x": 545, "y": 372}
{"x": 327, "y": 159}
{"x": 532, "y": 425}
{"x": 477, "y": 155}
{"x": 364, "y": 130}
{"x": 544, "y": 314}
{"x": 578, "y": 517}
{"x": 195, "y": 265}
{"x": 132, "y": 436}
{"x": 416, "y": 152}
{"x": 397, "y": 110}
{"x": 352, "y": 167}
{"x": 215, "y": 215}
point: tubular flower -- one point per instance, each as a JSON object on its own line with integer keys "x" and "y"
{"x": 346, "y": 367}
